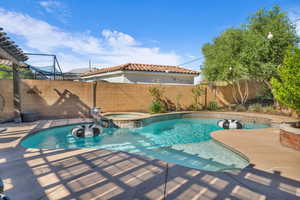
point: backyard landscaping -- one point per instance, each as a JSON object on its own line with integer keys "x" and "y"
{"x": 105, "y": 140}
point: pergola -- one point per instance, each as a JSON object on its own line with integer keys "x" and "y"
{"x": 12, "y": 55}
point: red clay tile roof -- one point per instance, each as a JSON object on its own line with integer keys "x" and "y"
{"x": 143, "y": 67}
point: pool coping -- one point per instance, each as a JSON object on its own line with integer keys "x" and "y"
{"x": 142, "y": 115}
{"x": 249, "y": 182}
{"x": 188, "y": 114}
{"x": 144, "y": 120}
{"x": 229, "y": 148}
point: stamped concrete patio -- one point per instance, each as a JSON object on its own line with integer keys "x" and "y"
{"x": 102, "y": 174}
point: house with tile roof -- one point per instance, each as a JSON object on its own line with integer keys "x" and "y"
{"x": 143, "y": 73}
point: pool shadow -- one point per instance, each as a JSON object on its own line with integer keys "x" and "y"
{"x": 104, "y": 174}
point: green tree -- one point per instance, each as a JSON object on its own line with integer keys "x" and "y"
{"x": 261, "y": 55}
{"x": 223, "y": 62}
{"x": 286, "y": 87}
{"x": 246, "y": 53}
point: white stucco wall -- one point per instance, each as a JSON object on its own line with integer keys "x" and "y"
{"x": 143, "y": 77}
{"x": 158, "y": 78}
{"x": 114, "y": 79}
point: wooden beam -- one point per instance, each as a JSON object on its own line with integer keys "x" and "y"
{"x": 4, "y": 54}
{"x": 6, "y": 62}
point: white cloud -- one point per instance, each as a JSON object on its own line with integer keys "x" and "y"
{"x": 75, "y": 49}
{"x": 117, "y": 39}
{"x": 59, "y": 10}
{"x": 41, "y": 36}
{"x": 48, "y": 5}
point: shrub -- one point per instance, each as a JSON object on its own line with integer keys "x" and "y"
{"x": 269, "y": 109}
{"x": 286, "y": 86}
{"x": 213, "y": 105}
{"x": 195, "y": 107}
{"x": 255, "y": 108}
{"x": 157, "y": 107}
{"x": 197, "y": 92}
{"x": 265, "y": 93}
{"x": 240, "y": 108}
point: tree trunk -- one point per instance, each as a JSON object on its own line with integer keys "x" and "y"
{"x": 234, "y": 94}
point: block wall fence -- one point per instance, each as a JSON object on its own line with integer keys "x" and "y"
{"x": 58, "y": 99}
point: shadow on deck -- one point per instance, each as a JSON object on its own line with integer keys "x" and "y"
{"x": 103, "y": 174}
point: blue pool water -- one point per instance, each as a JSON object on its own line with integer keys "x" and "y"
{"x": 182, "y": 141}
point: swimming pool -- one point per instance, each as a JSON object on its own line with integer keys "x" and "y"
{"x": 184, "y": 141}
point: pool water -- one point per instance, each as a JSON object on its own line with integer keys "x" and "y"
{"x": 182, "y": 141}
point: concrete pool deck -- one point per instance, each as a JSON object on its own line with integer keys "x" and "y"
{"x": 103, "y": 174}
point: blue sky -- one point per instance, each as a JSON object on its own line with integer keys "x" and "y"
{"x": 111, "y": 32}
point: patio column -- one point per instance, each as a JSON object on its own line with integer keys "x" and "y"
{"x": 16, "y": 94}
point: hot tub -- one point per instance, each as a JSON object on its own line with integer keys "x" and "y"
{"x": 124, "y": 115}
{"x": 126, "y": 119}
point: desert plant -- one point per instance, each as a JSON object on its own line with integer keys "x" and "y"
{"x": 240, "y": 108}
{"x": 195, "y": 107}
{"x": 255, "y": 108}
{"x": 157, "y": 107}
{"x": 269, "y": 110}
{"x": 197, "y": 92}
{"x": 158, "y": 104}
{"x": 213, "y": 105}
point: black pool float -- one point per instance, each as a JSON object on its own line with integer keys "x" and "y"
{"x": 83, "y": 131}
{"x": 230, "y": 124}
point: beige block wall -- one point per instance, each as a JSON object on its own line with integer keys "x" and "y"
{"x": 6, "y": 100}
{"x": 74, "y": 99}
{"x": 56, "y": 98}
{"x": 135, "y": 97}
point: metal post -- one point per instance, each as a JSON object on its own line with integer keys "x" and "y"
{"x": 90, "y": 65}
{"x": 205, "y": 103}
{"x": 94, "y": 83}
{"x": 16, "y": 94}
{"x": 54, "y": 62}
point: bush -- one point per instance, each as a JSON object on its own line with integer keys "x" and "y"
{"x": 157, "y": 107}
{"x": 255, "y": 108}
{"x": 195, "y": 107}
{"x": 286, "y": 86}
{"x": 240, "y": 108}
{"x": 213, "y": 105}
{"x": 269, "y": 109}
{"x": 197, "y": 92}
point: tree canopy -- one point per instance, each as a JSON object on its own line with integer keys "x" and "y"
{"x": 245, "y": 52}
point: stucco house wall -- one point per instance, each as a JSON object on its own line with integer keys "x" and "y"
{"x": 142, "y": 77}
{"x": 162, "y": 78}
